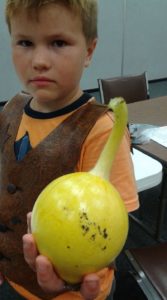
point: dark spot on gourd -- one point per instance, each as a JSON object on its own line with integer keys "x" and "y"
{"x": 85, "y": 229}
{"x": 102, "y": 232}
{"x": 86, "y": 225}
{"x": 99, "y": 229}
{"x": 84, "y": 216}
{"x": 93, "y": 237}
{"x": 105, "y": 234}
{"x": 104, "y": 248}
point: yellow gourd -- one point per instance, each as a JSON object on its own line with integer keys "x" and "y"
{"x": 79, "y": 220}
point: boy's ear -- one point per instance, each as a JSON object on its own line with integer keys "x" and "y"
{"x": 90, "y": 50}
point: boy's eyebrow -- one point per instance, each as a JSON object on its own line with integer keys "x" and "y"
{"x": 21, "y": 36}
{"x": 49, "y": 36}
{"x": 58, "y": 35}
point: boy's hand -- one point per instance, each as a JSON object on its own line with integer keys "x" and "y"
{"x": 46, "y": 275}
{"x": 1, "y": 279}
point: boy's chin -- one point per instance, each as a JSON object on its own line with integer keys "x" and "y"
{"x": 43, "y": 96}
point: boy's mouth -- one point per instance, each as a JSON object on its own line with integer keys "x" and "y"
{"x": 41, "y": 78}
{"x": 41, "y": 81}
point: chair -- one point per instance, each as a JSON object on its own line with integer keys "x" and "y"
{"x": 131, "y": 88}
{"x": 149, "y": 268}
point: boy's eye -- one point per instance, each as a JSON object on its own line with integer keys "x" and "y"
{"x": 24, "y": 43}
{"x": 59, "y": 43}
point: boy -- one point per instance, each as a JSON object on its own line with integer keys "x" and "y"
{"x": 56, "y": 129}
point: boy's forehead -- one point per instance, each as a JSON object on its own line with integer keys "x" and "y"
{"x": 34, "y": 13}
{"x": 85, "y": 10}
{"x": 58, "y": 20}
{"x": 35, "y": 9}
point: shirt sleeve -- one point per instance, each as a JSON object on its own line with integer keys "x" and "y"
{"x": 122, "y": 172}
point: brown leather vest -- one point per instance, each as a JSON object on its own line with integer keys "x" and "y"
{"x": 22, "y": 181}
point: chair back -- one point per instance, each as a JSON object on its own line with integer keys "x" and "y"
{"x": 131, "y": 88}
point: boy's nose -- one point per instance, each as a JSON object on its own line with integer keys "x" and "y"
{"x": 41, "y": 59}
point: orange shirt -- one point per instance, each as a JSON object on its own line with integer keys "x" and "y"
{"x": 122, "y": 176}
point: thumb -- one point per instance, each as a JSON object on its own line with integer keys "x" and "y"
{"x": 90, "y": 287}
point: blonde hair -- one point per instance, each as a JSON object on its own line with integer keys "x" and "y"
{"x": 86, "y": 9}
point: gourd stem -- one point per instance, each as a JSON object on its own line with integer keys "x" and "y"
{"x": 104, "y": 163}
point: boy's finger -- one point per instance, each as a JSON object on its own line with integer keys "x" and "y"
{"x": 90, "y": 287}
{"x": 1, "y": 279}
{"x": 30, "y": 250}
{"x": 47, "y": 277}
{"x": 29, "y": 222}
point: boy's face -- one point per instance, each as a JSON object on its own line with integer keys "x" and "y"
{"x": 49, "y": 54}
